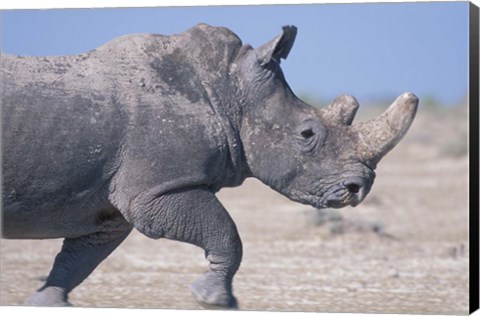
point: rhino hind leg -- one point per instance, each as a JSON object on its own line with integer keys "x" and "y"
{"x": 77, "y": 259}
{"x": 195, "y": 216}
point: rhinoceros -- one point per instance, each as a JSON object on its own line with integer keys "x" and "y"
{"x": 144, "y": 130}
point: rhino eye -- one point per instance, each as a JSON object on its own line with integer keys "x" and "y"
{"x": 307, "y": 133}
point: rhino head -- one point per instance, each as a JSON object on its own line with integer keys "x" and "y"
{"x": 313, "y": 156}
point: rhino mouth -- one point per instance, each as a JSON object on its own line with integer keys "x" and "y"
{"x": 339, "y": 200}
{"x": 348, "y": 192}
{"x": 345, "y": 200}
{"x": 335, "y": 201}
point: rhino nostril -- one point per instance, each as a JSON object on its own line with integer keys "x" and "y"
{"x": 353, "y": 187}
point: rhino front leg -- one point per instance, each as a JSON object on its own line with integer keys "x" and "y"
{"x": 196, "y": 216}
{"x": 77, "y": 259}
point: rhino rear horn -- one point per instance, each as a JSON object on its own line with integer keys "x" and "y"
{"x": 278, "y": 47}
{"x": 341, "y": 111}
{"x": 379, "y": 135}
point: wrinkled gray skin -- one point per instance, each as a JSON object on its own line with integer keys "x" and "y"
{"x": 143, "y": 131}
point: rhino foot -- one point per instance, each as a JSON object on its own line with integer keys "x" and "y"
{"x": 49, "y": 296}
{"x": 211, "y": 293}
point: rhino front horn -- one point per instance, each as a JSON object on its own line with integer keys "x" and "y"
{"x": 379, "y": 135}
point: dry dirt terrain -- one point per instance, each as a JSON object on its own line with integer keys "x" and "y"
{"x": 403, "y": 250}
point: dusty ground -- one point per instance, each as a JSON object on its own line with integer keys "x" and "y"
{"x": 403, "y": 250}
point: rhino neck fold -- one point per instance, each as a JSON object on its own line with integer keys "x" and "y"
{"x": 229, "y": 116}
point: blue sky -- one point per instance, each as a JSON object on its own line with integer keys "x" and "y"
{"x": 372, "y": 51}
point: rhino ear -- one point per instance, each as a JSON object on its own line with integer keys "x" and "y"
{"x": 278, "y": 47}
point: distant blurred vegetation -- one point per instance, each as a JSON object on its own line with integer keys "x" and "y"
{"x": 430, "y": 103}
{"x": 312, "y": 100}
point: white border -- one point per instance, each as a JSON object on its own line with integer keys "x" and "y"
{"x": 51, "y": 4}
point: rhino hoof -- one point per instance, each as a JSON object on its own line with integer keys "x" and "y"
{"x": 212, "y": 297}
{"x": 50, "y": 296}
